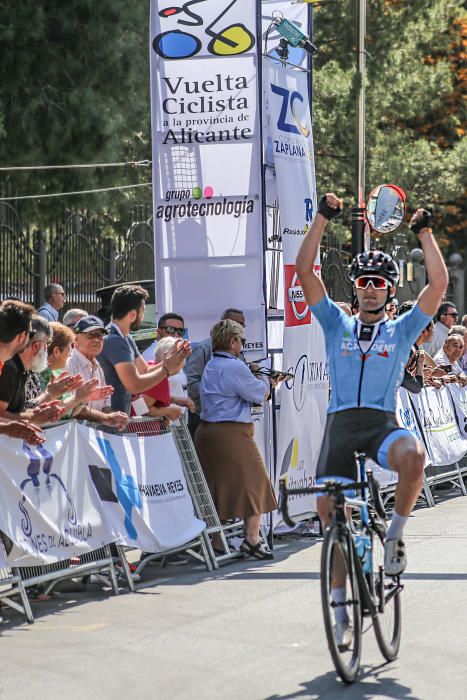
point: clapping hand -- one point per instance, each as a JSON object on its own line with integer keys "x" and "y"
{"x": 63, "y": 384}
{"x": 47, "y": 413}
{"x": 23, "y": 430}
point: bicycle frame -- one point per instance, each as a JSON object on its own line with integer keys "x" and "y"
{"x": 375, "y": 601}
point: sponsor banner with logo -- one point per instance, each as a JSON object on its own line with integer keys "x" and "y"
{"x": 49, "y": 508}
{"x": 142, "y": 489}
{"x": 437, "y": 420}
{"x": 304, "y": 399}
{"x": 208, "y": 215}
{"x": 459, "y": 400}
{"x": 82, "y": 489}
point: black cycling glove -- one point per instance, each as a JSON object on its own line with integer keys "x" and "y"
{"x": 325, "y": 210}
{"x": 422, "y": 222}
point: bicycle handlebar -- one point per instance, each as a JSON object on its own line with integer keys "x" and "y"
{"x": 329, "y": 487}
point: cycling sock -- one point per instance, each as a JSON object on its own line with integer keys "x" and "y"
{"x": 396, "y": 528}
{"x": 338, "y": 596}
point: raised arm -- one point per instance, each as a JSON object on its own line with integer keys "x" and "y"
{"x": 314, "y": 290}
{"x": 430, "y": 297}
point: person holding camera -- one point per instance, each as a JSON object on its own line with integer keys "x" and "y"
{"x": 233, "y": 466}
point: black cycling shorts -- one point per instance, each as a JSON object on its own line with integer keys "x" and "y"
{"x": 356, "y": 430}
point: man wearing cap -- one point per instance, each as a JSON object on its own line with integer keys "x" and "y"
{"x": 90, "y": 333}
{"x": 89, "y": 339}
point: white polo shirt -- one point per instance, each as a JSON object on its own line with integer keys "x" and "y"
{"x": 77, "y": 363}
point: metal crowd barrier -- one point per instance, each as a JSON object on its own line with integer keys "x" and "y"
{"x": 102, "y": 562}
{"x": 12, "y": 589}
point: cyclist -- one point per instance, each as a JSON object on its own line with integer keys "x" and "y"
{"x": 367, "y": 354}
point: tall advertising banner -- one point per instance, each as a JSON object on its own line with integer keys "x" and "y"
{"x": 303, "y": 400}
{"x": 207, "y": 190}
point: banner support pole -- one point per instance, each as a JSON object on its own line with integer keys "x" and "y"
{"x": 358, "y": 212}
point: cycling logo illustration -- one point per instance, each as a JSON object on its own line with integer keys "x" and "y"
{"x": 197, "y": 24}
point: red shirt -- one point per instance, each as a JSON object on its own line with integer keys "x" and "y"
{"x": 160, "y": 393}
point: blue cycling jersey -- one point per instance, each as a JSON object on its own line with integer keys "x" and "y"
{"x": 366, "y": 379}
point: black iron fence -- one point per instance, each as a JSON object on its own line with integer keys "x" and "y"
{"x": 81, "y": 253}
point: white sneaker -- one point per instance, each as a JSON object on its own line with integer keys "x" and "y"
{"x": 395, "y": 558}
{"x": 343, "y": 634}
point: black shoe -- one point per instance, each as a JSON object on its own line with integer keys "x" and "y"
{"x": 255, "y": 550}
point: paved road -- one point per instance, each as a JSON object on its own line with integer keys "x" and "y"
{"x": 249, "y": 632}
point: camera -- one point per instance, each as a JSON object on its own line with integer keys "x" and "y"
{"x": 275, "y": 374}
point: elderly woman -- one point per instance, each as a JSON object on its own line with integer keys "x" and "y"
{"x": 449, "y": 356}
{"x": 224, "y": 440}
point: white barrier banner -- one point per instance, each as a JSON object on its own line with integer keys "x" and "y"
{"x": 438, "y": 422}
{"x": 206, "y": 140}
{"x": 49, "y": 508}
{"x": 303, "y": 400}
{"x": 407, "y": 419}
{"x": 459, "y": 400}
{"x": 142, "y": 489}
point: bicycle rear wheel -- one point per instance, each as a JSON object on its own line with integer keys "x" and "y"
{"x": 387, "y": 624}
{"x": 337, "y": 555}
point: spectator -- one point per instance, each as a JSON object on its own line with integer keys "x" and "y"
{"x": 123, "y": 366}
{"x": 89, "y": 392}
{"x": 462, "y": 331}
{"x": 448, "y": 357}
{"x": 413, "y": 372}
{"x": 195, "y": 364}
{"x": 55, "y": 298}
{"x": 230, "y": 458}
{"x": 53, "y": 383}
{"x": 392, "y": 309}
{"x": 158, "y": 399}
{"x": 15, "y": 329}
{"x": 169, "y": 326}
{"x": 464, "y": 320}
{"x": 89, "y": 340}
{"x": 14, "y": 375}
{"x": 445, "y": 318}
{"x": 72, "y": 317}
{"x": 15, "y": 332}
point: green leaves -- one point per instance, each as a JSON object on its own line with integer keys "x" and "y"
{"x": 413, "y": 103}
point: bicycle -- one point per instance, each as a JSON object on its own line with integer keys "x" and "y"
{"x": 359, "y": 557}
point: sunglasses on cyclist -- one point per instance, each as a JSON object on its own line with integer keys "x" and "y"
{"x": 376, "y": 282}
{"x": 171, "y": 330}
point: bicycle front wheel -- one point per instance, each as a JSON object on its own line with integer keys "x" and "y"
{"x": 338, "y": 571}
{"x": 387, "y": 621}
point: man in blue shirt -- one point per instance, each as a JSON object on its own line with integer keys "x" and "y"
{"x": 367, "y": 355}
{"x": 55, "y": 299}
{"x": 123, "y": 366}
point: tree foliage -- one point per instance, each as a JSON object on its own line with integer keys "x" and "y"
{"x": 415, "y": 96}
{"x": 74, "y": 88}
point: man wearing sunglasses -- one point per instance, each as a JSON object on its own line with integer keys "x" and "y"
{"x": 170, "y": 325}
{"x": 446, "y": 318}
{"x": 367, "y": 355}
